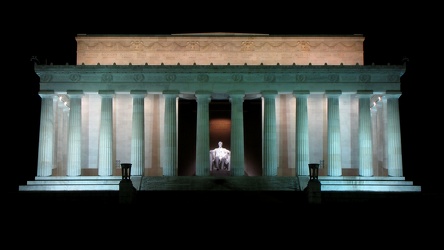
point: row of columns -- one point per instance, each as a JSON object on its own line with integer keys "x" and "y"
{"x": 270, "y": 145}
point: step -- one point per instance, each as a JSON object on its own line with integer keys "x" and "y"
{"x": 79, "y": 187}
{"x": 76, "y": 183}
{"x": 328, "y": 183}
{"x": 371, "y": 187}
{"x": 363, "y": 183}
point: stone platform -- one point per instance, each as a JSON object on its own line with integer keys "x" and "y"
{"x": 216, "y": 183}
{"x": 222, "y": 182}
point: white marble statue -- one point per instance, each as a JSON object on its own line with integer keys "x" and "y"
{"x": 220, "y": 158}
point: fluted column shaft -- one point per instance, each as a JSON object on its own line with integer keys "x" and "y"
{"x": 334, "y": 134}
{"x": 169, "y": 158}
{"x": 138, "y": 133}
{"x": 203, "y": 133}
{"x": 270, "y": 136}
{"x": 394, "y": 153}
{"x": 365, "y": 134}
{"x": 106, "y": 134}
{"x": 237, "y": 134}
{"x": 46, "y": 135}
{"x": 302, "y": 142}
{"x": 74, "y": 157}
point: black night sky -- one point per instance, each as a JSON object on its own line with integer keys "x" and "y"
{"x": 395, "y": 33}
{"x": 391, "y": 37}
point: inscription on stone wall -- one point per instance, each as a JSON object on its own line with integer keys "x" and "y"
{"x": 220, "y": 50}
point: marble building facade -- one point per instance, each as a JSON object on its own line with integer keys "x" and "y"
{"x": 319, "y": 103}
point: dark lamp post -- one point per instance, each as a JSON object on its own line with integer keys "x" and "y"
{"x": 126, "y": 170}
{"x": 313, "y": 170}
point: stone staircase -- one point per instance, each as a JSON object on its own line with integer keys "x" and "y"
{"x": 361, "y": 183}
{"x": 74, "y": 183}
{"x": 227, "y": 183}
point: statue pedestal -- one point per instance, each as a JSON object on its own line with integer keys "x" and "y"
{"x": 127, "y": 192}
{"x": 314, "y": 191}
{"x": 220, "y": 173}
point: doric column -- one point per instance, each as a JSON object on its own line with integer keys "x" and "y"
{"x": 302, "y": 143}
{"x": 365, "y": 134}
{"x": 203, "y": 133}
{"x": 169, "y": 158}
{"x": 138, "y": 133}
{"x": 237, "y": 163}
{"x": 394, "y": 153}
{"x": 106, "y": 133}
{"x": 333, "y": 134}
{"x": 74, "y": 157}
{"x": 270, "y": 136}
{"x": 46, "y": 134}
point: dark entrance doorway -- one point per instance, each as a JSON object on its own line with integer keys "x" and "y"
{"x": 220, "y": 130}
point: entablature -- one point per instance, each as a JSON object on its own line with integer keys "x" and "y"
{"x": 220, "y": 79}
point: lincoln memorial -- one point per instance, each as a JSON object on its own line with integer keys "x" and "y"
{"x": 162, "y": 102}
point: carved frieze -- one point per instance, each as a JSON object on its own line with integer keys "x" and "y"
{"x": 75, "y": 77}
{"x": 269, "y": 78}
{"x": 393, "y": 78}
{"x": 364, "y": 78}
{"x": 300, "y": 78}
{"x": 107, "y": 77}
{"x": 219, "y": 79}
{"x": 45, "y": 78}
{"x": 202, "y": 78}
{"x": 170, "y": 77}
{"x": 237, "y": 77}
{"x": 139, "y": 77}
{"x": 333, "y": 78}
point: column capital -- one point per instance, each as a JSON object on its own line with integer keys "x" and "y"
{"x": 269, "y": 93}
{"x": 301, "y": 93}
{"x": 202, "y": 93}
{"x": 171, "y": 92}
{"x": 106, "y": 93}
{"x": 138, "y": 93}
{"x": 393, "y": 93}
{"x": 364, "y": 93}
{"x": 74, "y": 93}
{"x": 333, "y": 93}
{"x": 47, "y": 93}
{"x": 236, "y": 94}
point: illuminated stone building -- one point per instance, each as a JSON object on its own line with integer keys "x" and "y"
{"x": 277, "y": 102}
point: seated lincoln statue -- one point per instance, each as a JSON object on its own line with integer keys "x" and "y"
{"x": 220, "y": 158}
